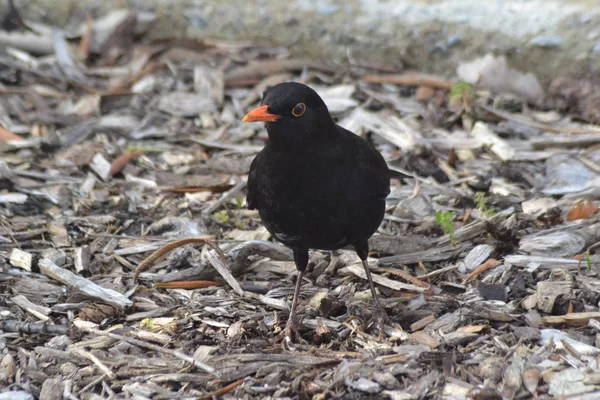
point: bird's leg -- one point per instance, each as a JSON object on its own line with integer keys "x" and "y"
{"x": 376, "y": 304}
{"x": 291, "y": 327}
{"x": 379, "y": 314}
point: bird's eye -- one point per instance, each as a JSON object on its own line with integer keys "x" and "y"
{"x": 298, "y": 109}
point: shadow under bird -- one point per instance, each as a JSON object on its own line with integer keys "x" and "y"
{"x": 315, "y": 184}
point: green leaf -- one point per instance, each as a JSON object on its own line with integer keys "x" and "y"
{"x": 221, "y": 216}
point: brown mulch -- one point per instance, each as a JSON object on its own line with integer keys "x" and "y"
{"x": 487, "y": 259}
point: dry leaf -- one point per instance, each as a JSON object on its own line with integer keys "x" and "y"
{"x": 120, "y": 162}
{"x": 582, "y": 210}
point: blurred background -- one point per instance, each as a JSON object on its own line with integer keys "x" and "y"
{"x": 547, "y": 37}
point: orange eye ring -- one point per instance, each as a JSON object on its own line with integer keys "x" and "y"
{"x": 299, "y": 109}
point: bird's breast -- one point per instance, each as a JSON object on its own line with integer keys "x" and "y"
{"x": 314, "y": 204}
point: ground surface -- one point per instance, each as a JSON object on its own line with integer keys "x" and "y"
{"x": 486, "y": 261}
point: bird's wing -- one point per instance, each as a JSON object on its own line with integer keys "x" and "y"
{"x": 373, "y": 166}
{"x": 377, "y": 172}
{"x": 252, "y": 182}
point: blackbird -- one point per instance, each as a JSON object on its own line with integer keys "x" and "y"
{"x": 315, "y": 184}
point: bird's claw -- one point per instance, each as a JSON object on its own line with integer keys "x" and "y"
{"x": 378, "y": 321}
{"x": 290, "y": 335}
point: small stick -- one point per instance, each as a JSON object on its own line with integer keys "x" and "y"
{"x": 91, "y": 384}
{"x": 438, "y": 272}
{"x": 224, "y": 197}
{"x": 409, "y": 80}
{"x": 95, "y": 360}
{"x": 489, "y": 264}
{"x": 407, "y": 277}
{"x": 83, "y": 50}
{"x": 120, "y": 162}
{"x": 66, "y": 277}
{"x": 167, "y": 249}
{"x": 220, "y": 264}
{"x": 34, "y": 328}
{"x": 185, "y": 284}
{"x": 223, "y": 390}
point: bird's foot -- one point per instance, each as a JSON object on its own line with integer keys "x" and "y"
{"x": 290, "y": 334}
{"x": 378, "y": 320}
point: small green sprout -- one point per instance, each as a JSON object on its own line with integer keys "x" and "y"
{"x": 222, "y": 217}
{"x": 481, "y": 204}
{"x": 239, "y": 224}
{"x": 239, "y": 202}
{"x": 445, "y": 222}
{"x": 461, "y": 95}
{"x": 148, "y": 323}
{"x": 588, "y": 261}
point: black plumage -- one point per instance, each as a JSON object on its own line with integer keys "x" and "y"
{"x": 315, "y": 184}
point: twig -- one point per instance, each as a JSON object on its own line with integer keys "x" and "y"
{"x": 242, "y": 83}
{"x": 224, "y": 197}
{"x": 407, "y": 277}
{"x": 409, "y": 80}
{"x": 120, "y": 162}
{"x": 489, "y": 264}
{"x": 91, "y": 384}
{"x": 223, "y": 390}
{"x": 228, "y": 146}
{"x": 594, "y": 246}
{"x": 34, "y": 328}
{"x": 219, "y": 263}
{"x": 60, "y": 355}
{"x": 185, "y": 285}
{"x": 153, "y": 347}
{"x": 95, "y": 360}
{"x": 66, "y": 277}
{"x": 395, "y": 285}
{"x": 83, "y": 50}
{"x": 437, "y": 272}
{"x": 166, "y": 249}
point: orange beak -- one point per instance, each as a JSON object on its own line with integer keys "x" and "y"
{"x": 260, "y": 114}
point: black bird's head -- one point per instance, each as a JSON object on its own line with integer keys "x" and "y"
{"x": 292, "y": 109}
